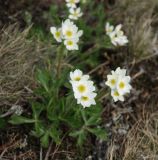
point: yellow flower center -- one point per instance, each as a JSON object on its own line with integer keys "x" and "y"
{"x": 70, "y": 43}
{"x": 77, "y": 78}
{"x": 113, "y": 82}
{"x": 69, "y": 33}
{"x": 109, "y": 30}
{"x": 81, "y": 88}
{"x": 121, "y": 85}
{"x": 119, "y": 33}
{"x": 116, "y": 94}
{"x": 84, "y": 98}
{"x": 57, "y": 34}
{"x": 72, "y": 1}
{"x": 75, "y": 14}
{"x": 113, "y": 38}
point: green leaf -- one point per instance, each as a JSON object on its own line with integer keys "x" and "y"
{"x": 20, "y": 120}
{"x": 52, "y": 113}
{"x": 94, "y": 111}
{"x": 72, "y": 120}
{"x": 94, "y": 120}
{"x": 2, "y": 123}
{"x": 75, "y": 133}
{"x": 37, "y": 108}
{"x": 55, "y": 135}
{"x": 99, "y": 132}
{"x": 81, "y": 138}
{"x": 43, "y": 79}
{"x": 45, "y": 140}
{"x": 68, "y": 85}
{"x": 80, "y": 135}
{"x": 39, "y": 128}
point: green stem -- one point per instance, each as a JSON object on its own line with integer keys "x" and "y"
{"x": 61, "y": 52}
{"x": 59, "y": 60}
{"x": 83, "y": 115}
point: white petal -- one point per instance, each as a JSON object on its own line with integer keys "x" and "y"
{"x": 53, "y": 30}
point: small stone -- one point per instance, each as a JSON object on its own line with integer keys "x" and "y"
{"x": 122, "y": 131}
{"x": 17, "y": 109}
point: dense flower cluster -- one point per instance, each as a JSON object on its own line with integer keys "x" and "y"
{"x": 116, "y": 35}
{"x": 69, "y": 33}
{"x": 83, "y": 88}
{"x": 119, "y": 84}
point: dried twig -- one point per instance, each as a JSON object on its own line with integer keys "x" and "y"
{"x": 48, "y": 151}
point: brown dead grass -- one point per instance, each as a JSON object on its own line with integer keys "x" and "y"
{"x": 18, "y": 58}
{"x": 12, "y": 143}
{"x": 142, "y": 140}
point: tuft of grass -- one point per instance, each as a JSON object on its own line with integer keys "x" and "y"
{"x": 140, "y": 143}
{"x": 142, "y": 139}
{"x": 18, "y": 59}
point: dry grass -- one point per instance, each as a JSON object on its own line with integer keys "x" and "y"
{"x": 138, "y": 17}
{"x": 142, "y": 140}
{"x": 12, "y": 144}
{"x": 18, "y": 58}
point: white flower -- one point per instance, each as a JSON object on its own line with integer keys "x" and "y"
{"x": 114, "y": 38}
{"x": 119, "y": 84}
{"x": 71, "y": 44}
{"x": 87, "y": 100}
{"x": 118, "y": 30}
{"x": 75, "y": 13}
{"x": 119, "y": 71}
{"x": 121, "y": 40}
{"x": 116, "y": 35}
{"x": 123, "y": 85}
{"x": 116, "y": 96}
{"x": 69, "y": 33}
{"x": 57, "y": 33}
{"x": 109, "y": 28}
{"x": 72, "y": 3}
{"x": 82, "y": 88}
{"x": 77, "y": 75}
{"x": 70, "y": 30}
{"x": 112, "y": 80}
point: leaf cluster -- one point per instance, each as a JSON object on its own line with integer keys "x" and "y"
{"x": 56, "y": 113}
